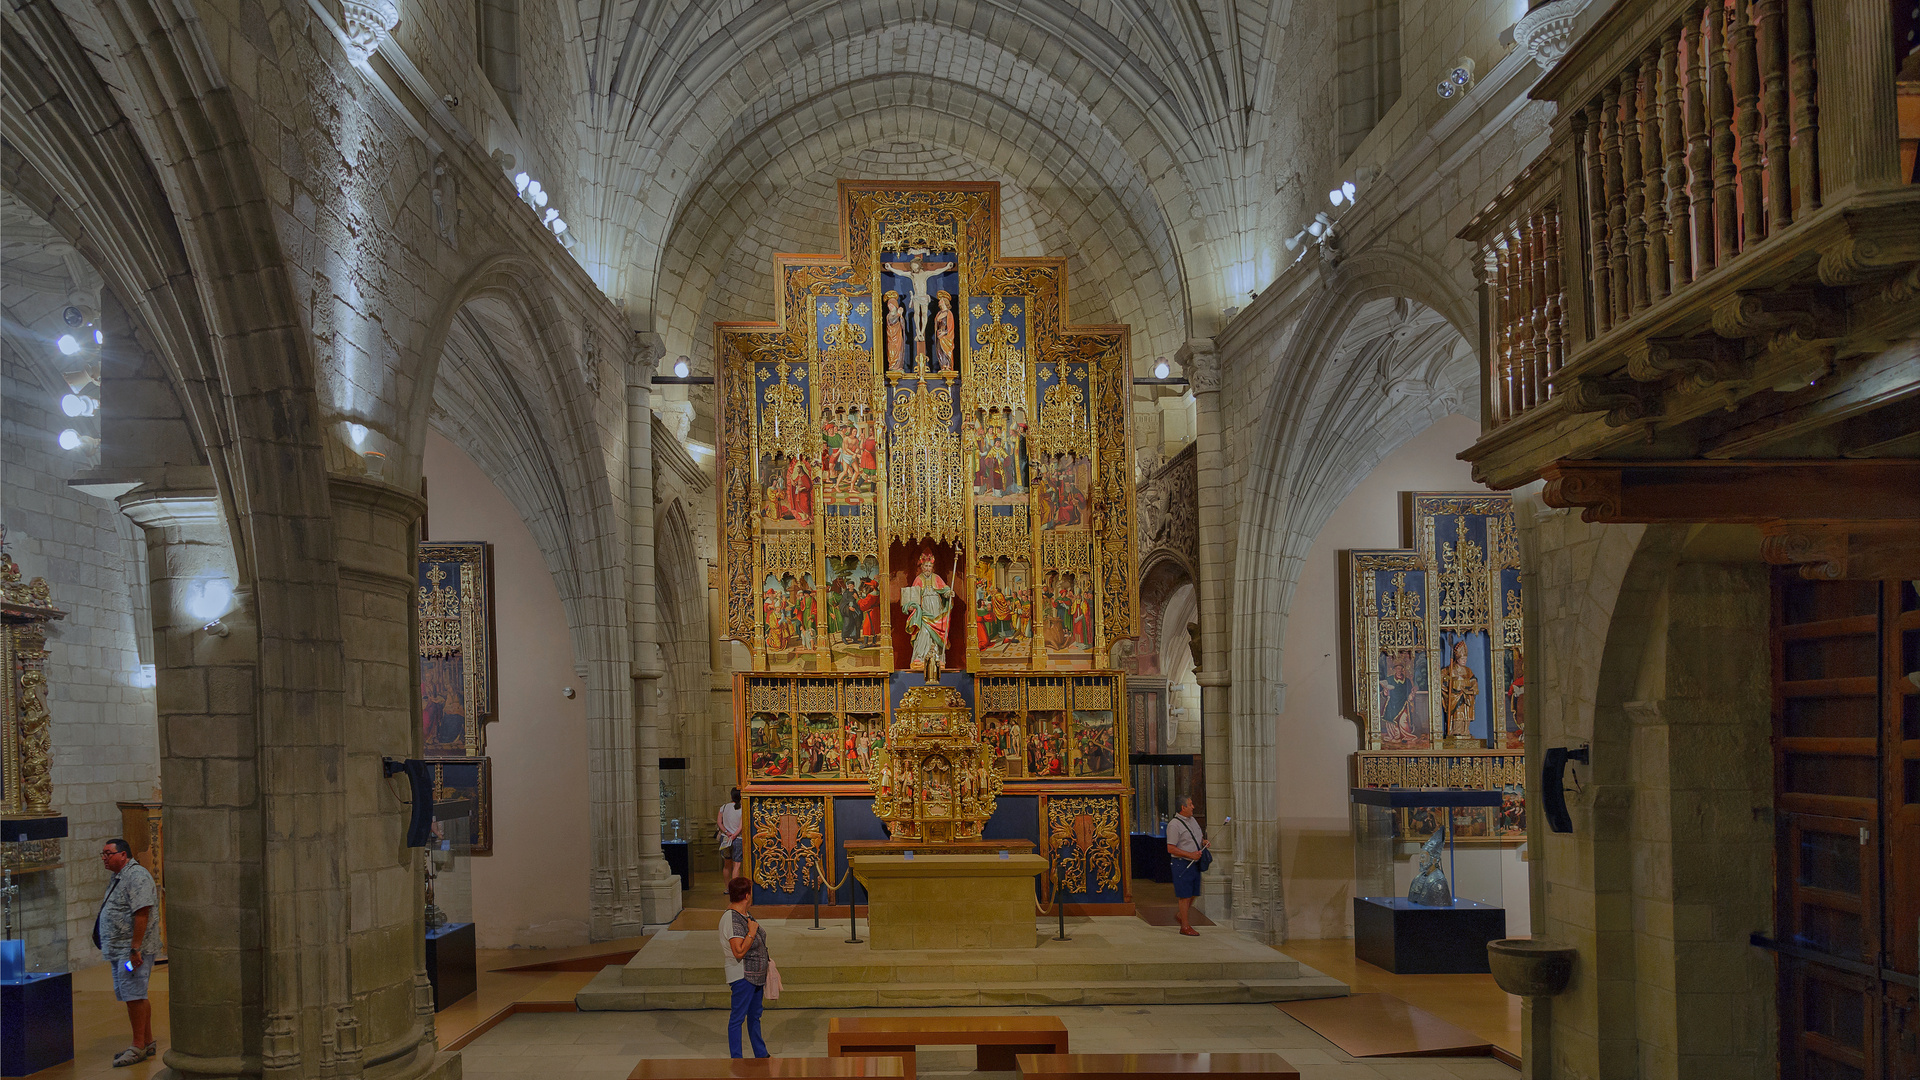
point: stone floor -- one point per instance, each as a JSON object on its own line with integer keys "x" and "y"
{"x": 605, "y": 1046}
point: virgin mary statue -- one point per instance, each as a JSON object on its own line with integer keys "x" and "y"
{"x": 928, "y": 604}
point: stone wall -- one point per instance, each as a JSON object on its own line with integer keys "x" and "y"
{"x": 100, "y": 692}
{"x": 1651, "y": 649}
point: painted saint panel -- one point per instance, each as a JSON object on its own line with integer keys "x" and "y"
{"x": 855, "y": 614}
{"x": 456, "y": 647}
{"x": 820, "y": 747}
{"x": 1466, "y": 543}
{"x": 770, "y": 740}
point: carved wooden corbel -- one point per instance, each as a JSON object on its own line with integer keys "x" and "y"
{"x": 1871, "y": 246}
{"x": 1623, "y": 400}
{"x": 1807, "y": 312}
{"x": 1832, "y": 551}
{"x": 1595, "y": 492}
{"x": 1705, "y": 359}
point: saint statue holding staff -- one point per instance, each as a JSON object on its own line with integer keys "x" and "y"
{"x": 928, "y": 604}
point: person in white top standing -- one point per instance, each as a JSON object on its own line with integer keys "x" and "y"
{"x": 731, "y": 846}
{"x": 1186, "y": 841}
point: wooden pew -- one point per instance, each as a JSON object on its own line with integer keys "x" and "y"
{"x": 1120, "y": 1066}
{"x": 998, "y": 1038}
{"x": 731, "y": 1068}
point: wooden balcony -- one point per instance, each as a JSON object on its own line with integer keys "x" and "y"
{"x": 1718, "y": 256}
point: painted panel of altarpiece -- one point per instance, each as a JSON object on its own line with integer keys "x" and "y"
{"x": 457, "y": 658}
{"x": 922, "y": 466}
{"x": 1435, "y": 651}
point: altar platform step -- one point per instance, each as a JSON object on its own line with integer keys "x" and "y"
{"x": 1109, "y": 961}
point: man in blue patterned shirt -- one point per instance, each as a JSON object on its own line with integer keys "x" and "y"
{"x": 125, "y": 932}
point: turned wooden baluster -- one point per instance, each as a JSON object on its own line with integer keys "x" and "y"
{"x": 1699, "y": 149}
{"x": 1802, "y": 81}
{"x": 1599, "y": 269}
{"x": 1522, "y": 314}
{"x": 1773, "y": 111}
{"x": 1616, "y": 204}
{"x": 1556, "y": 301}
{"x": 1673, "y": 132}
{"x": 1653, "y": 172}
{"x": 1503, "y": 300}
{"x": 1633, "y": 181}
{"x": 1536, "y": 311}
{"x": 1746, "y": 111}
{"x": 1726, "y": 210}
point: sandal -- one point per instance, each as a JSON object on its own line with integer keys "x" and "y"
{"x": 132, "y": 1055}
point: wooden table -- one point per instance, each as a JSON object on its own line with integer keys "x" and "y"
{"x": 729, "y": 1068}
{"x": 999, "y": 1038}
{"x": 1117, "y": 1066}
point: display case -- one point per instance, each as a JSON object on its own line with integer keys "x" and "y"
{"x": 1422, "y": 903}
{"x": 1160, "y": 781}
{"x": 36, "y": 989}
{"x": 678, "y": 831}
{"x": 451, "y": 965}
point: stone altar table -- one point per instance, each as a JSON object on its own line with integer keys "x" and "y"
{"x": 933, "y": 901}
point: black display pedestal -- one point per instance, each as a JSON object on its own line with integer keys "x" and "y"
{"x": 1413, "y": 939}
{"x": 450, "y": 963}
{"x": 38, "y": 1029}
{"x": 1150, "y": 857}
{"x": 676, "y": 853}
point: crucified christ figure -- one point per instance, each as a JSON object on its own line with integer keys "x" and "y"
{"x": 917, "y": 270}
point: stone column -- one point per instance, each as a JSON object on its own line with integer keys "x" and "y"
{"x": 376, "y": 529}
{"x": 1202, "y": 365}
{"x": 206, "y": 656}
{"x": 657, "y": 889}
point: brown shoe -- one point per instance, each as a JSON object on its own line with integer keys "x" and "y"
{"x": 1189, "y": 931}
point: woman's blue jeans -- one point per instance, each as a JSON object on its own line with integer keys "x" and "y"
{"x": 748, "y": 1001}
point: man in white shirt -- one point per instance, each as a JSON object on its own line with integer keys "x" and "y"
{"x": 731, "y": 846}
{"x": 1186, "y": 841}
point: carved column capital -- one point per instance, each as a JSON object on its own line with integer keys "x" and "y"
{"x": 1200, "y": 359}
{"x": 644, "y": 361}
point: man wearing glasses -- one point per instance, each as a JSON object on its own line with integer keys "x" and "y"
{"x": 124, "y": 931}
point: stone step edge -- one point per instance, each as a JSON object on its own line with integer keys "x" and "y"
{"x": 826, "y": 975}
{"x": 603, "y": 994}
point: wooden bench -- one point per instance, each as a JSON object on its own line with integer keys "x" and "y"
{"x": 999, "y": 1039}
{"x": 730, "y": 1068}
{"x": 1119, "y": 1066}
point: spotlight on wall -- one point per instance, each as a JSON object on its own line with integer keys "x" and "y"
{"x": 520, "y": 181}
{"x": 78, "y": 405}
{"x": 1342, "y": 194}
{"x": 73, "y": 440}
{"x": 681, "y": 369}
{"x": 1293, "y": 242}
{"x": 99, "y": 338}
{"x": 1459, "y": 80}
{"x": 1160, "y": 368}
{"x": 68, "y": 344}
{"x": 207, "y": 600}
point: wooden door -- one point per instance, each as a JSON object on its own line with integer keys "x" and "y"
{"x": 1848, "y": 825}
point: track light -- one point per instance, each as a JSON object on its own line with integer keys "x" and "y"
{"x": 520, "y": 181}
{"x": 681, "y": 369}
{"x": 1160, "y": 369}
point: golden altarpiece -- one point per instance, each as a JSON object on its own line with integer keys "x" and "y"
{"x": 927, "y": 516}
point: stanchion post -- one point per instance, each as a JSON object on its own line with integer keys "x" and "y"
{"x": 853, "y": 898}
{"x": 1059, "y": 901}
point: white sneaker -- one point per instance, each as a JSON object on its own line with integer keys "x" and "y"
{"x": 132, "y": 1055}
